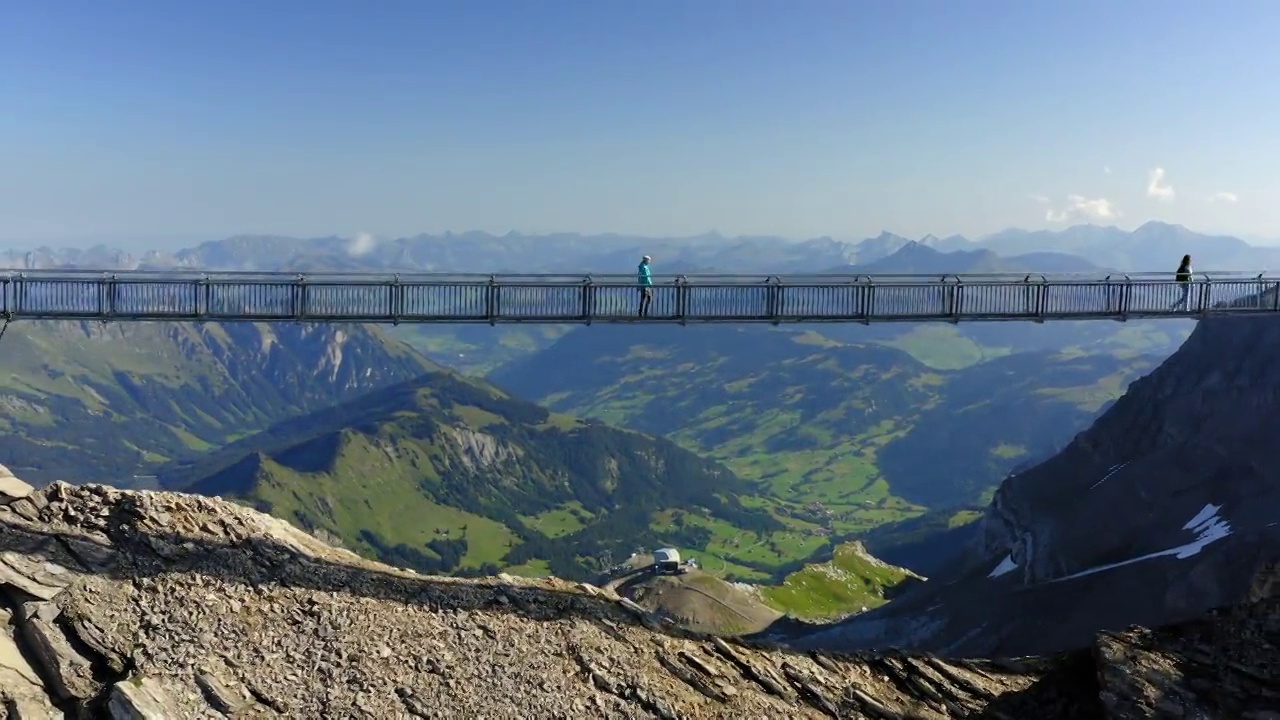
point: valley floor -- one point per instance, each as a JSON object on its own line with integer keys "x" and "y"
{"x": 169, "y": 605}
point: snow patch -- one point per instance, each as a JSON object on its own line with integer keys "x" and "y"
{"x": 1207, "y": 526}
{"x": 1207, "y": 513}
{"x": 1110, "y": 471}
{"x": 1006, "y": 566}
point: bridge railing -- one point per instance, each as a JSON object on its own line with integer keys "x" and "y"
{"x": 156, "y": 296}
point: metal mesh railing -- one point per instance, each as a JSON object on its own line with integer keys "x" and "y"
{"x": 494, "y": 299}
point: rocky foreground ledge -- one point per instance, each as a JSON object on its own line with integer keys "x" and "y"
{"x": 162, "y": 605}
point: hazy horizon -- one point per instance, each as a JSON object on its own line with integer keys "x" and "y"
{"x": 135, "y": 244}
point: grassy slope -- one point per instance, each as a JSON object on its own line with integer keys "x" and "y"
{"x": 375, "y": 488}
{"x": 444, "y": 459}
{"x": 850, "y": 581}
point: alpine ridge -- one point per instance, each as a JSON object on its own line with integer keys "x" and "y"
{"x": 102, "y": 403}
{"x": 149, "y": 605}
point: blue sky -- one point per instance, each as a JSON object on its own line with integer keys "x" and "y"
{"x": 153, "y": 120}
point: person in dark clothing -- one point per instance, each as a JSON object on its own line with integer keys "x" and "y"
{"x": 645, "y": 278}
{"x": 1183, "y": 276}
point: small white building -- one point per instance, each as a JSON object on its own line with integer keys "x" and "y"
{"x": 666, "y": 560}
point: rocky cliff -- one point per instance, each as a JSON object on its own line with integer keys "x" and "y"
{"x": 131, "y": 604}
{"x": 1165, "y": 508}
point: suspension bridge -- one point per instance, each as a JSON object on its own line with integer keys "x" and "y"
{"x": 172, "y": 295}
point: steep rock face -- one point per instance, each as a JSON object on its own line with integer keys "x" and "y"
{"x": 162, "y": 605}
{"x": 1165, "y": 508}
{"x": 1198, "y": 428}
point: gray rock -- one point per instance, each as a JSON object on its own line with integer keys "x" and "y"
{"x": 11, "y": 488}
{"x": 32, "y": 575}
{"x": 139, "y": 698}
{"x": 21, "y": 688}
{"x": 225, "y": 695}
{"x": 70, "y": 673}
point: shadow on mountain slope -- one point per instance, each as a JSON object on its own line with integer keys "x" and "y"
{"x": 1162, "y": 510}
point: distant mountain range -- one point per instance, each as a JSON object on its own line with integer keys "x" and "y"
{"x": 919, "y": 258}
{"x": 1154, "y": 246}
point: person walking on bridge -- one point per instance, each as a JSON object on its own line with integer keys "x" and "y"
{"x": 645, "y": 278}
{"x": 1183, "y": 276}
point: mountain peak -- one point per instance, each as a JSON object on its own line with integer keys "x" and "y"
{"x": 915, "y": 248}
{"x": 1157, "y": 231}
{"x": 1159, "y": 225}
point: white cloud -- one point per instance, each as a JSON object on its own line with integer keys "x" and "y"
{"x": 1106, "y": 169}
{"x": 1079, "y": 207}
{"x": 1226, "y": 197}
{"x": 363, "y": 244}
{"x": 1156, "y": 186}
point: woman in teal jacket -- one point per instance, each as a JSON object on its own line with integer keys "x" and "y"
{"x": 645, "y": 279}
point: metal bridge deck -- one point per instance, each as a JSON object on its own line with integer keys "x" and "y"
{"x": 502, "y": 299}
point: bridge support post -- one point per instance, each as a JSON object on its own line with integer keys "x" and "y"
{"x": 773, "y": 296}
{"x": 491, "y": 301}
{"x": 299, "y": 298}
{"x": 588, "y": 297}
{"x": 1041, "y": 299}
{"x": 868, "y": 296}
{"x": 206, "y": 293}
{"x": 682, "y": 299}
{"x": 20, "y": 295}
{"x": 953, "y": 297}
{"x": 107, "y": 299}
{"x": 395, "y": 300}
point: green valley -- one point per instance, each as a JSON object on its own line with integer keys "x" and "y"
{"x": 477, "y": 350}
{"x": 838, "y": 439}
